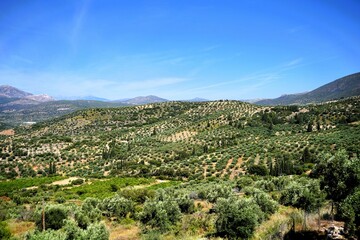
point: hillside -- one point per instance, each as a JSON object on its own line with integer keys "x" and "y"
{"x": 18, "y": 107}
{"x": 16, "y": 114}
{"x": 195, "y": 140}
{"x": 174, "y": 170}
{"x": 341, "y": 88}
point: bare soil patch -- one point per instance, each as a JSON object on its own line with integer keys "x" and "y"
{"x": 8, "y": 132}
{"x": 65, "y": 181}
{"x": 236, "y": 170}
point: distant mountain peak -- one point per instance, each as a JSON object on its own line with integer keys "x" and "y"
{"x": 12, "y": 96}
{"x": 142, "y": 100}
{"x": 12, "y": 92}
{"x": 347, "y": 86}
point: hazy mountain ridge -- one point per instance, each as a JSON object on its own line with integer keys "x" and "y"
{"x": 142, "y": 100}
{"x": 11, "y": 96}
{"x": 17, "y": 114}
{"x": 17, "y": 106}
{"x": 12, "y": 92}
{"x": 347, "y": 86}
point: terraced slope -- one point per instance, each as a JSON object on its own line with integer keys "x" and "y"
{"x": 183, "y": 140}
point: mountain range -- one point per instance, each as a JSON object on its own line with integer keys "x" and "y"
{"x": 13, "y": 96}
{"x": 17, "y": 106}
{"x": 347, "y": 86}
{"x": 142, "y": 100}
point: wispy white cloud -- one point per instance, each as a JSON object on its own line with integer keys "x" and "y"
{"x": 79, "y": 20}
{"x": 255, "y": 80}
{"x": 210, "y": 48}
{"x": 293, "y": 62}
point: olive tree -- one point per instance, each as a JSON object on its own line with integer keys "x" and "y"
{"x": 237, "y": 218}
{"x": 305, "y": 194}
{"x": 339, "y": 175}
{"x": 54, "y": 217}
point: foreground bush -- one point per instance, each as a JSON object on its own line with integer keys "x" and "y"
{"x": 117, "y": 206}
{"x": 46, "y": 235}
{"x": 4, "y": 231}
{"x": 350, "y": 212}
{"x": 71, "y": 231}
{"x": 267, "y": 205}
{"x": 237, "y": 218}
{"x": 160, "y": 215}
{"x": 54, "y": 217}
{"x": 215, "y": 191}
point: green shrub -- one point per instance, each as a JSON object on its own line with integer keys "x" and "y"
{"x": 46, "y": 235}
{"x": 91, "y": 210}
{"x": 215, "y": 191}
{"x": 160, "y": 215}
{"x": 72, "y": 230}
{"x": 83, "y": 221}
{"x": 266, "y": 203}
{"x": 244, "y": 182}
{"x": 186, "y": 204}
{"x": 237, "y": 218}
{"x": 96, "y": 231}
{"x": 260, "y": 170}
{"x": 137, "y": 195}
{"x": 350, "y": 212}
{"x": 78, "y": 181}
{"x": 60, "y": 199}
{"x": 118, "y": 206}
{"x": 4, "y": 231}
{"x": 54, "y": 217}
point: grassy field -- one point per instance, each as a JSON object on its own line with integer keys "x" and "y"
{"x": 105, "y": 188}
{"x": 7, "y": 187}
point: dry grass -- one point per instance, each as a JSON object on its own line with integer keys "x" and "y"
{"x": 278, "y": 224}
{"x": 123, "y": 232}
{"x": 205, "y": 205}
{"x": 19, "y": 228}
{"x": 65, "y": 181}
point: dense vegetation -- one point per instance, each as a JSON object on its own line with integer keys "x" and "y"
{"x": 14, "y": 114}
{"x": 180, "y": 170}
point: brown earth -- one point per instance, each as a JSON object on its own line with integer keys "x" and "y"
{"x": 8, "y": 132}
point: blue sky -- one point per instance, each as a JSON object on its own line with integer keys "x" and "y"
{"x": 238, "y": 49}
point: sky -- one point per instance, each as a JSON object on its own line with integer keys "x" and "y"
{"x": 177, "y": 49}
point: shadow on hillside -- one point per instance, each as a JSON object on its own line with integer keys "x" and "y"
{"x": 308, "y": 235}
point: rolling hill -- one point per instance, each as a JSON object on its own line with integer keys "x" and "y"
{"x": 16, "y": 114}
{"x": 187, "y": 139}
{"x": 341, "y": 88}
{"x": 192, "y": 154}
